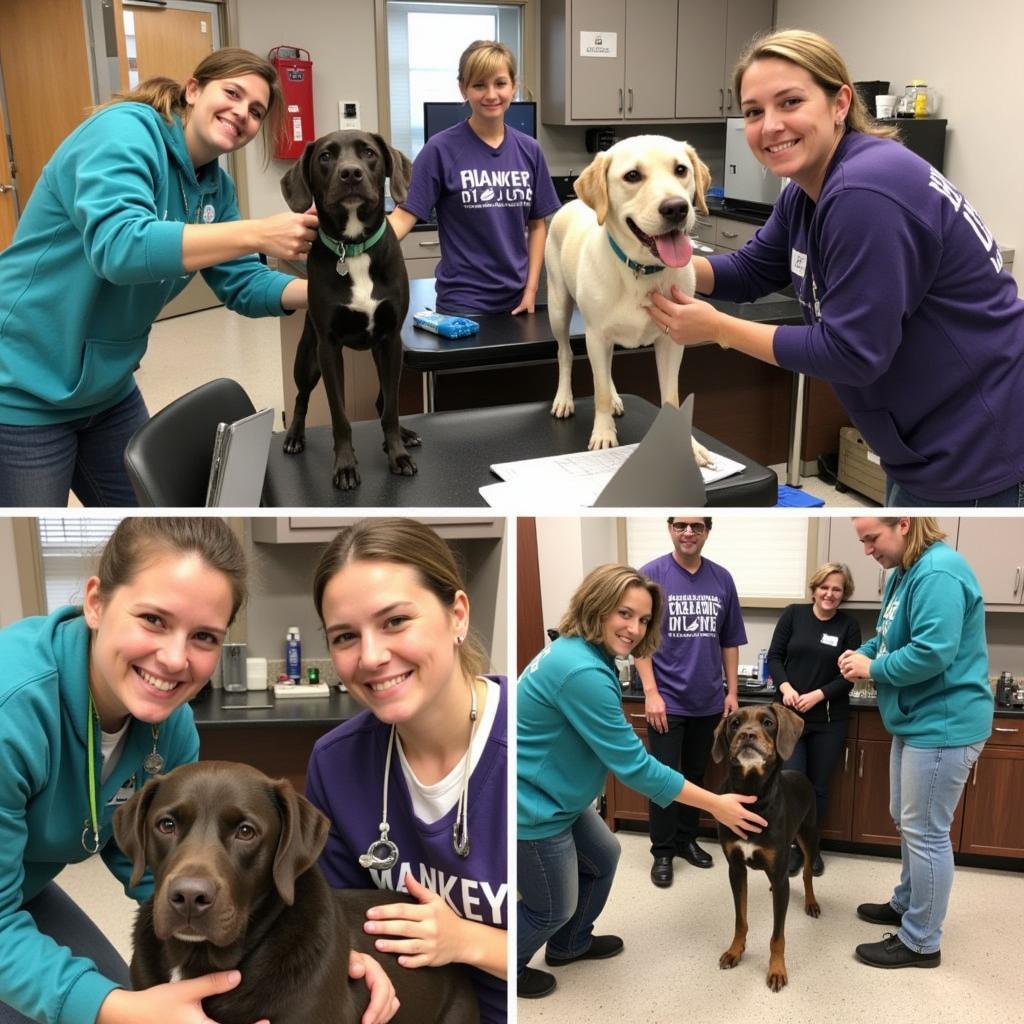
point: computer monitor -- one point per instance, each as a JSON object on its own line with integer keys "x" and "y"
{"x": 521, "y": 115}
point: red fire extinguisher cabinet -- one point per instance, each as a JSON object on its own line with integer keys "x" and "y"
{"x": 296, "y": 77}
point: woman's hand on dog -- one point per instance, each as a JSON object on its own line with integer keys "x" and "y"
{"x": 427, "y": 933}
{"x": 685, "y": 319}
{"x": 731, "y": 811}
{"x": 384, "y": 1003}
{"x": 178, "y": 1002}
{"x": 287, "y": 235}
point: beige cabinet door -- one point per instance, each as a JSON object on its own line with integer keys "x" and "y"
{"x": 650, "y": 58}
{"x": 994, "y": 549}
{"x": 700, "y": 47}
{"x": 598, "y": 82}
{"x": 746, "y": 18}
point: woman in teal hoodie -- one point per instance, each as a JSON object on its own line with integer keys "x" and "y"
{"x": 929, "y": 665}
{"x": 131, "y": 204}
{"x": 571, "y": 733}
{"x": 93, "y": 701}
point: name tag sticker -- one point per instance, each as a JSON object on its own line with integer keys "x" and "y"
{"x": 798, "y": 262}
{"x": 828, "y": 638}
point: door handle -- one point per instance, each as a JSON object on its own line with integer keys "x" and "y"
{"x": 730, "y": 99}
{"x": 620, "y": 99}
{"x": 881, "y": 580}
{"x": 721, "y": 101}
{"x": 730, "y": 234}
{"x": 1016, "y": 579}
{"x": 629, "y": 109}
{"x": 846, "y": 758}
{"x": 11, "y": 188}
{"x": 860, "y": 766}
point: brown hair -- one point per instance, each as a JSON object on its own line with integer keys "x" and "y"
{"x": 599, "y": 595}
{"x": 138, "y": 540}
{"x": 823, "y": 572}
{"x": 821, "y": 60}
{"x": 923, "y": 533}
{"x": 167, "y": 96}
{"x": 404, "y": 542}
{"x": 484, "y": 58}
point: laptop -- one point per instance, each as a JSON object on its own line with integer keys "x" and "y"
{"x": 240, "y": 453}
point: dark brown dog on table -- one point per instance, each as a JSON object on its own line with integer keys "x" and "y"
{"x": 756, "y": 740}
{"x": 233, "y": 855}
{"x": 357, "y": 297}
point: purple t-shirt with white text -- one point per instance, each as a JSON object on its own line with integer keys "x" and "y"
{"x": 344, "y": 779}
{"x": 484, "y": 198}
{"x": 701, "y": 615}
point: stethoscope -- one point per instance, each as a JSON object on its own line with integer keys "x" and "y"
{"x": 383, "y": 853}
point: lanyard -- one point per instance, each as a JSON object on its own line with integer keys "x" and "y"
{"x": 93, "y": 845}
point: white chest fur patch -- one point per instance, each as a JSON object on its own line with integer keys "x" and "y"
{"x": 362, "y": 298}
{"x": 748, "y": 849}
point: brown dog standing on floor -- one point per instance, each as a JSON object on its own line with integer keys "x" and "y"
{"x": 757, "y": 740}
{"x": 233, "y": 855}
{"x": 358, "y": 288}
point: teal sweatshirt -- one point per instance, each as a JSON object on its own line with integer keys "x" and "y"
{"x": 44, "y": 805}
{"x": 929, "y": 657}
{"x": 97, "y": 255}
{"x": 571, "y": 732}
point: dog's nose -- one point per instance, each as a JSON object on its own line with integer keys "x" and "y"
{"x": 351, "y": 173}
{"x": 191, "y": 897}
{"x": 674, "y": 210}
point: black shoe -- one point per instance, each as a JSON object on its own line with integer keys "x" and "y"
{"x": 796, "y": 860}
{"x": 891, "y": 952}
{"x": 695, "y": 855}
{"x": 602, "y": 947}
{"x": 534, "y": 984}
{"x": 879, "y": 913}
{"x": 817, "y": 866}
{"x": 661, "y": 872}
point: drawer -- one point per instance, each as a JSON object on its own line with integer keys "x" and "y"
{"x": 1007, "y": 732}
{"x": 704, "y": 229}
{"x": 733, "y": 234}
{"x": 421, "y": 268}
{"x": 420, "y": 244}
{"x": 869, "y": 726}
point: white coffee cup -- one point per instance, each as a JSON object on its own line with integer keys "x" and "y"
{"x": 885, "y": 106}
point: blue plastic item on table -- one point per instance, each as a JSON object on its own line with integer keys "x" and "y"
{"x": 446, "y": 326}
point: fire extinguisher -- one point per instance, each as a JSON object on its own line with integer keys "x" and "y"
{"x": 296, "y": 78}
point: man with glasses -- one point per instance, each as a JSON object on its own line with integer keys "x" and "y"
{"x": 701, "y": 634}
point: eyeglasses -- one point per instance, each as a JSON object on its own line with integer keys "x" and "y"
{"x": 697, "y": 529}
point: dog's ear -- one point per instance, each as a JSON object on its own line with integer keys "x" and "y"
{"x": 702, "y": 174}
{"x": 720, "y": 749}
{"x": 790, "y": 726}
{"x": 295, "y": 185}
{"x": 303, "y": 835}
{"x": 130, "y": 828}
{"x": 398, "y": 167}
{"x": 592, "y": 186}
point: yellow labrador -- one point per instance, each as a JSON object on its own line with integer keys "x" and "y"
{"x": 626, "y": 236}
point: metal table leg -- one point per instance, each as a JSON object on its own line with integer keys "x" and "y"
{"x": 428, "y": 390}
{"x": 796, "y": 430}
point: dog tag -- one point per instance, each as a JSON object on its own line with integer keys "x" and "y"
{"x": 341, "y": 266}
{"x": 153, "y": 763}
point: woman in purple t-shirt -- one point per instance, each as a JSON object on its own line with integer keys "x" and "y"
{"x": 416, "y": 785}
{"x": 491, "y": 189}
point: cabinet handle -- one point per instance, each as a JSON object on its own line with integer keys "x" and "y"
{"x": 846, "y": 758}
{"x": 643, "y": 718}
{"x": 430, "y": 245}
{"x": 630, "y": 107}
{"x": 730, "y": 234}
{"x": 860, "y": 765}
{"x": 881, "y": 580}
{"x": 730, "y": 99}
{"x": 1016, "y": 581}
{"x": 974, "y": 780}
{"x": 1002, "y": 729}
{"x": 620, "y": 99}
{"x": 721, "y": 101}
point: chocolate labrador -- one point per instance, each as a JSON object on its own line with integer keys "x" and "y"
{"x": 233, "y": 855}
{"x": 358, "y": 288}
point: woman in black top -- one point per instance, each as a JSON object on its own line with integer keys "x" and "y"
{"x": 802, "y": 660}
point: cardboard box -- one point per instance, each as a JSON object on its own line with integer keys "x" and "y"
{"x": 860, "y": 469}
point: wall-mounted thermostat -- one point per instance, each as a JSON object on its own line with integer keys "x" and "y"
{"x": 348, "y": 114}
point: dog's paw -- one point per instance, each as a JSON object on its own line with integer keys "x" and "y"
{"x": 410, "y": 438}
{"x": 730, "y": 958}
{"x": 777, "y": 978}
{"x": 812, "y": 908}
{"x": 562, "y": 407}
{"x": 603, "y": 439}
{"x": 617, "y": 407}
{"x": 401, "y": 464}
{"x": 346, "y": 478}
{"x": 294, "y": 443}
{"x": 701, "y": 454}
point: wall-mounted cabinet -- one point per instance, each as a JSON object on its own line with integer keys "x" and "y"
{"x": 322, "y": 529}
{"x": 658, "y": 61}
{"x": 995, "y": 550}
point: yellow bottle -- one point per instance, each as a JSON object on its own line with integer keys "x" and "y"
{"x": 920, "y": 98}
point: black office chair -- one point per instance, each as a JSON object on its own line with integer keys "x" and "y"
{"x": 168, "y": 459}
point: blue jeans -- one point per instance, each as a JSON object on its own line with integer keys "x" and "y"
{"x": 924, "y": 787}
{"x": 564, "y": 884}
{"x": 897, "y": 496}
{"x": 40, "y": 465}
{"x": 57, "y": 915}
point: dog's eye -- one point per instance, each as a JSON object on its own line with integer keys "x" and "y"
{"x": 166, "y": 826}
{"x": 245, "y": 832}
{"x": 682, "y": 170}
{"x": 324, "y": 157}
{"x": 633, "y": 176}
{"x": 370, "y": 153}
{"x": 768, "y": 722}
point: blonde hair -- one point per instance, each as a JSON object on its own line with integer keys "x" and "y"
{"x": 167, "y": 97}
{"x": 599, "y": 595}
{"x": 484, "y": 58}
{"x": 404, "y": 542}
{"x": 823, "y": 572}
{"x": 923, "y": 533}
{"x": 821, "y": 60}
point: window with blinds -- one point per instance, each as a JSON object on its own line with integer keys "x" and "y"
{"x": 70, "y": 550}
{"x": 425, "y": 41}
{"x": 767, "y": 555}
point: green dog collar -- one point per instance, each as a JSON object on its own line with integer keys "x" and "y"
{"x": 343, "y": 251}
{"x": 637, "y": 268}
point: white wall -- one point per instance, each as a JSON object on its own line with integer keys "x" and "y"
{"x": 10, "y": 594}
{"x": 967, "y": 54}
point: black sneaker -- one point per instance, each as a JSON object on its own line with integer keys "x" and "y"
{"x": 602, "y": 947}
{"x": 796, "y": 860}
{"x": 891, "y": 952}
{"x": 695, "y": 855}
{"x": 534, "y": 984}
{"x": 661, "y": 872}
{"x": 879, "y": 913}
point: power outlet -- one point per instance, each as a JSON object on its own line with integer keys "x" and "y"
{"x": 348, "y": 114}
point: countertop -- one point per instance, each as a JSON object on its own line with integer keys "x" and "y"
{"x": 221, "y": 710}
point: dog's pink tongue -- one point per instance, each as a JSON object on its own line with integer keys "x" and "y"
{"x": 674, "y": 248}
